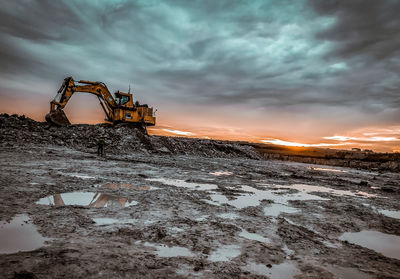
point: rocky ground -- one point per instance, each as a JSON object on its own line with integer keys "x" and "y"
{"x": 179, "y": 208}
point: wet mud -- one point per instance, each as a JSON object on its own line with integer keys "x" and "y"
{"x": 67, "y": 213}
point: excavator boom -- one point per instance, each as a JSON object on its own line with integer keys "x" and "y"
{"x": 118, "y": 110}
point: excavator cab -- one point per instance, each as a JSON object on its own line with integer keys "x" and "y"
{"x": 123, "y": 99}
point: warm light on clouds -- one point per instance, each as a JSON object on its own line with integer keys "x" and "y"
{"x": 177, "y": 132}
{"x": 297, "y": 144}
{"x": 374, "y": 139}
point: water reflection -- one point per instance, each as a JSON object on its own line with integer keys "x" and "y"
{"x": 165, "y": 251}
{"x": 253, "y": 197}
{"x": 225, "y": 253}
{"x": 254, "y": 236}
{"x": 19, "y": 235}
{"x": 386, "y": 244}
{"x": 184, "y": 184}
{"x": 306, "y": 188}
{"x": 285, "y": 270}
{"x": 327, "y": 169}
{"x": 390, "y": 213}
{"x": 95, "y": 199}
{"x": 219, "y": 173}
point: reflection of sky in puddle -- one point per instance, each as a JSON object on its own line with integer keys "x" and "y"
{"x": 348, "y": 273}
{"x": 254, "y": 236}
{"x": 225, "y": 253}
{"x": 256, "y": 196}
{"x": 202, "y": 218}
{"x": 89, "y": 199}
{"x": 275, "y": 209}
{"x": 390, "y": 213}
{"x": 327, "y": 169}
{"x": 219, "y": 173}
{"x": 229, "y": 215}
{"x": 184, "y": 184}
{"x": 19, "y": 235}
{"x": 312, "y": 188}
{"x": 111, "y": 221}
{"x": 166, "y": 252}
{"x": 98, "y": 199}
{"x": 285, "y": 270}
{"x": 82, "y": 176}
{"x": 288, "y": 251}
{"x": 386, "y": 244}
{"x": 176, "y": 230}
{"x": 330, "y": 244}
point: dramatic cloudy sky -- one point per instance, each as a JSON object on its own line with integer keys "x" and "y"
{"x": 312, "y": 72}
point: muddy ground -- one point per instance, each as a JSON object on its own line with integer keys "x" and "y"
{"x": 161, "y": 215}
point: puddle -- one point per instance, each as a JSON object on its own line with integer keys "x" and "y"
{"x": 225, "y": 253}
{"x": 255, "y": 196}
{"x": 120, "y": 186}
{"x": 176, "y": 230}
{"x": 254, "y": 236}
{"x": 275, "y": 209}
{"x": 111, "y": 221}
{"x": 289, "y": 252}
{"x": 89, "y": 199}
{"x": 348, "y": 273}
{"x": 386, "y": 244}
{"x": 230, "y": 216}
{"x": 329, "y": 244}
{"x": 184, "y": 184}
{"x": 19, "y": 235}
{"x": 327, "y": 169}
{"x": 312, "y": 188}
{"x": 167, "y": 252}
{"x": 219, "y": 173}
{"x": 202, "y": 218}
{"x": 390, "y": 213}
{"x": 77, "y": 175}
{"x": 285, "y": 270}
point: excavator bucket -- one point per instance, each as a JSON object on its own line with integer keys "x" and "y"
{"x": 57, "y": 117}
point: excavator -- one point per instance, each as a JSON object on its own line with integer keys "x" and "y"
{"x": 120, "y": 109}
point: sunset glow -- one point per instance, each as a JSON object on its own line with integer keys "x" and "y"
{"x": 289, "y": 143}
{"x": 177, "y": 132}
{"x": 374, "y": 139}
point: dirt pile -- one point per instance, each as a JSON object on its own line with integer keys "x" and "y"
{"x": 17, "y": 130}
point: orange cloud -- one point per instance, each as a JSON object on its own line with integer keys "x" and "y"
{"x": 296, "y": 144}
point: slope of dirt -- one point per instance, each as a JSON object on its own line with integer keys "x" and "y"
{"x": 17, "y": 130}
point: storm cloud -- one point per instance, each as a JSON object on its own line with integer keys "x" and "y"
{"x": 332, "y": 58}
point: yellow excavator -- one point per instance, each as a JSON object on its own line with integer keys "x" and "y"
{"x": 120, "y": 109}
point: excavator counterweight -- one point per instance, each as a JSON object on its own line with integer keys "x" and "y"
{"x": 120, "y": 109}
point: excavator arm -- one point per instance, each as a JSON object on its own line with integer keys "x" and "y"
{"x": 68, "y": 88}
{"x": 122, "y": 109}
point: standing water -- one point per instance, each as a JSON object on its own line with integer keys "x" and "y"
{"x": 19, "y": 235}
{"x": 386, "y": 244}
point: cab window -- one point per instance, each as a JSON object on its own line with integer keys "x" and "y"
{"x": 122, "y": 100}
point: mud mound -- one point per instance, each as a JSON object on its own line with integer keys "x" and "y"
{"x": 19, "y": 130}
